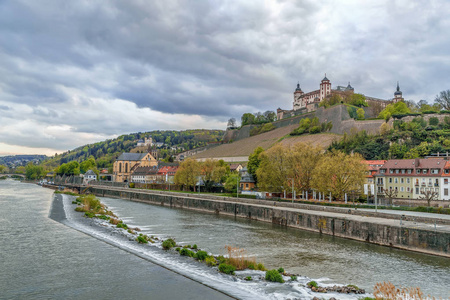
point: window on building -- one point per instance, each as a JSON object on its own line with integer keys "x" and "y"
{"x": 418, "y": 171}
{"x": 424, "y": 171}
{"x": 382, "y": 171}
{"x": 390, "y": 180}
{"x": 396, "y": 180}
{"x": 120, "y": 167}
{"x": 446, "y": 181}
{"x": 246, "y": 185}
{"x": 402, "y": 180}
{"x": 396, "y": 171}
{"x": 402, "y": 189}
{"x": 447, "y": 171}
{"x": 391, "y": 171}
{"x": 409, "y": 171}
{"x": 417, "y": 190}
{"x": 408, "y": 180}
{"x": 403, "y": 171}
{"x": 408, "y": 189}
{"x": 445, "y": 192}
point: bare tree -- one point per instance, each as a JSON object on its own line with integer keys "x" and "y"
{"x": 390, "y": 194}
{"x": 443, "y": 99}
{"x": 429, "y": 196}
{"x": 231, "y": 123}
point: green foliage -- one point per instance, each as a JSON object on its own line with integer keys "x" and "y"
{"x": 434, "y": 121}
{"x": 178, "y": 249}
{"x": 89, "y": 214}
{"x": 221, "y": 259}
{"x": 232, "y": 183}
{"x": 357, "y": 100}
{"x": 393, "y": 109}
{"x": 201, "y": 255}
{"x": 227, "y": 269}
{"x": 33, "y": 172}
{"x": 260, "y": 267}
{"x": 261, "y": 129}
{"x": 307, "y": 125}
{"x": 274, "y": 276}
{"x": 314, "y": 129}
{"x": 280, "y": 270}
{"x": 122, "y": 225}
{"x": 187, "y": 252}
{"x": 312, "y": 284}
{"x": 254, "y": 161}
{"x": 248, "y": 278}
{"x": 141, "y": 239}
{"x": 251, "y": 266}
{"x": 210, "y": 261}
{"x": 168, "y": 244}
{"x": 194, "y": 247}
{"x": 360, "y": 114}
{"x": 330, "y": 101}
{"x": 293, "y": 278}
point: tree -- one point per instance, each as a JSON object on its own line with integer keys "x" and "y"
{"x": 357, "y": 100}
{"x": 429, "y": 196}
{"x": 254, "y": 161}
{"x": 232, "y": 182}
{"x": 213, "y": 171}
{"x": 247, "y": 119}
{"x": 360, "y": 113}
{"x": 88, "y": 164}
{"x": 2, "y": 168}
{"x": 303, "y": 159}
{"x": 390, "y": 194}
{"x": 270, "y": 116}
{"x": 339, "y": 173}
{"x": 443, "y": 99}
{"x": 273, "y": 171}
{"x": 231, "y": 123}
{"x": 188, "y": 173}
{"x": 394, "y": 109}
{"x": 34, "y": 172}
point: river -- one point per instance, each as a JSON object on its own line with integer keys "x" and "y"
{"x": 46, "y": 258}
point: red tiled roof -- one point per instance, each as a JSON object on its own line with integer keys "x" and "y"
{"x": 413, "y": 164}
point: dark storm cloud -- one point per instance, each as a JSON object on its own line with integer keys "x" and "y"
{"x": 92, "y": 69}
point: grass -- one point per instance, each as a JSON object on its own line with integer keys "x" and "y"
{"x": 312, "y": 284}
{"x": 168, "y": 244}
{"x": 387, "y": 290}
{"x": 238, "y": 258}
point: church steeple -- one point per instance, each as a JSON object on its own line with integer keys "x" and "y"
{"x": 398, "y": 94}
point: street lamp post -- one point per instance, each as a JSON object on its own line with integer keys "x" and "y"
{"x": 292, "y": 189}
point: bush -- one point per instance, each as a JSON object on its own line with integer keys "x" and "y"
{"x": 251, "y": 266}
{"x": 187, "y": 252}
{"x": 433, "y": 121}
{"x": 314, "y": 129}
{"x": 169, "y": 243}
{"x": 201, "y": 255}
{"x": 260, "y": 267}
{"x": 280, "y": 270}
{"x": 312, "y": 284}
{"x": 89, "y": 214}
{"x": 274, "y": 276}
{"x": 194, "y": 247}
{"x": 178, "y": 249}
{"x": 210, "y": 261}
{"x": 141, "y": 239}
{"x": 221, "y": 259}
{"x": 227, "y": 269}
{"x": 122, "y": 225}
{"x": 248, "y": 278}
{"x": 293, "y": 278}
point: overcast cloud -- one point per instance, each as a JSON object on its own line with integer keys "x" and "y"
{"x": 78, "y": 72}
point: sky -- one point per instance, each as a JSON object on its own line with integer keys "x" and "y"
{"x": 79, "y": 72}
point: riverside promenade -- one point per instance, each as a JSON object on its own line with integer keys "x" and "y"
{"x": 414, "y": 231}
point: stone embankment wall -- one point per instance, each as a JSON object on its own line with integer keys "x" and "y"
{"x": 338, "y": 115}
{"x": 292, "y": 215}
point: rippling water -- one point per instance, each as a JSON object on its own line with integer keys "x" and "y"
{"x": 44, "y": 259}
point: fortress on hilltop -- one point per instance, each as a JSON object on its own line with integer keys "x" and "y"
{"x": 308, "y": 102}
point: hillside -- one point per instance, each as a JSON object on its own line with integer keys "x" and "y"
{"x": 323, "y": 140}
{"x": 107, "y": 151}
{"x": 241, "y": 149}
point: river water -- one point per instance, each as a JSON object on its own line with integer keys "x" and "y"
{"x": 42, "y": 258}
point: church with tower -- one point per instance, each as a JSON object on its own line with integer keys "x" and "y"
{"x": 307, "y": 102}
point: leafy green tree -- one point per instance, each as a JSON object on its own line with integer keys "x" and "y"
{"x": 2, "y": 168}
{"x": 254, "y": 161}
{"x": 273, "y": 171}
{"x": 247, "y": 119}
{"x": 303, "y": 159}
{"x": 360, "y": 113}
{"x": 34, "y": 172}
{"x": 357, "y": 100}
{"x": 88, "y": 164}
{"x": 394, "y": 109}
{"x": 213, "y": 171}
{"x": 339, "y": 173}
{"x": 232, "y": 182}
{"x": 188, "y": 173}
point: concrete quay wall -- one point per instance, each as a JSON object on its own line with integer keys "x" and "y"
{"x": 386, "y": 232}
